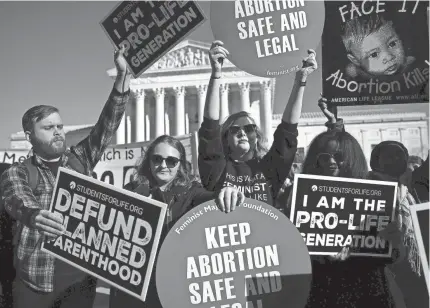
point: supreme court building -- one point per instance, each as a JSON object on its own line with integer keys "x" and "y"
{"x": 169, "y": 99}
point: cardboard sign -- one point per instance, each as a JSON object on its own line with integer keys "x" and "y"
{"x": 333, "y": 212}
{"x": 375, "y": 52}
{"x": 251, "y": 257}
{"x": 149, "y": 29}
{"x": 420, "y": 218}
{"x": 111, "y": 233}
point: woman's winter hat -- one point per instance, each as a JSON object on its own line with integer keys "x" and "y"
{"x": 389, "y": 146}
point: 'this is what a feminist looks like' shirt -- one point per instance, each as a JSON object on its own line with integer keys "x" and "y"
{"x": 245, "y": 177}
{"x": 258, "y": 178}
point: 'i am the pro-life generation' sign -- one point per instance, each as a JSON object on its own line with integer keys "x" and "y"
{"x": 252, "y": 257}
{"x": 110, "y": 233}
{"x": 149, "y": 29}
{"x": 332, "y": 212}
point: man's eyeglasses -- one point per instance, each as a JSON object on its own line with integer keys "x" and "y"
{"x": 249, "y": 128}
{"x": 326, "y": 157}
{"x": 171, "y": 161}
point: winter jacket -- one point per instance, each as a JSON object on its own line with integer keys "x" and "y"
{"x": 180, "y": 200}
{"x": 257, "y": 178}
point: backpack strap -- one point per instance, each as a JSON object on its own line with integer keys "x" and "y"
{"x": 33, "y": 173}
{"x": 74, "y": 162}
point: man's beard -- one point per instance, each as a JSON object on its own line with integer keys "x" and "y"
{"x": 49, "y": 150}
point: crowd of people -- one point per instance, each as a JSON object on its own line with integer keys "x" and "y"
{"x": 232, "y": 155}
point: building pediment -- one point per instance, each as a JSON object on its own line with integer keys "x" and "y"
{"x": 187, "y": 55}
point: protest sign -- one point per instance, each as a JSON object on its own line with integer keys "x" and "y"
{"x": 420, "y": 218}
{"x": 149, "y": 29}
{"x": 251, "y": 257}
{"x": 267, "y": 38}
{"x": 333, "y": 212}
{"x": 375, "y": 52}
{"x": 110, "y": 233}
{"x": 12, "y": 156}
{"x": 117, "y": 165}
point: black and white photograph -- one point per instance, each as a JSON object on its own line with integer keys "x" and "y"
{"x": 214, "y": 154}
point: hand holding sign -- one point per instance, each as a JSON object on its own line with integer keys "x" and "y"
{"x": 47, "y": 223}
{"x": 342, "y": 255}
{"x": 309, "y": 65}
{"x": 217, "y": 54}
{"x": 120, "y": 63}
{"x": 229, "y": 198}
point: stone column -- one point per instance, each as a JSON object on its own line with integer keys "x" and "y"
{"x": 266, "y": 110}
{"x": 159, "y": 111}
{"x": 187, "y": 124}
{"x": 120, "y": 132}
{"x": 245, "y": 105}
{"x": 179, "y": 111}
{"x": 424, "y": 141}
{"x": 140, "y": 115}
{"x": 402, "y": 135}
{"x": 128, "y": 129}
{"x": 364, "y": 144}
{"x": 147, "y": 128}
{"x": 201, "y": 92}
{"x": 224, "y": 112}
{"x": 167, "y": 124}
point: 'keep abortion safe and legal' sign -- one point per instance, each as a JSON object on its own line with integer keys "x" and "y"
{"x": 252, "y": 257}
{"x": 332, "y": 212}
{"x": 148, "y": 29}
{"x": 111, "y": 233}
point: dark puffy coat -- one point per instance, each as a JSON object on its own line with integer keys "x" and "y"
{"x": 180, "y": 200}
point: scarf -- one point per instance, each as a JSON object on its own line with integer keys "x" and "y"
{"x": 404, "y": 201}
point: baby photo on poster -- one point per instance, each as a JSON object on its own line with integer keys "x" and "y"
{"x": 375, "y": 52}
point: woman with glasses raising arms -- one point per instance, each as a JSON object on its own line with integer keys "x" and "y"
{"x": 163, "y": 174}
{"x": 234, "y": 154}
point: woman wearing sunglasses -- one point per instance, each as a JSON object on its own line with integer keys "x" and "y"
{"x": 389, "y": 163}
{"x": 234, "y": 154}
{"x": 163, "y": 174}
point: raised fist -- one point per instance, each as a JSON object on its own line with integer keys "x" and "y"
{"x": 217, "y": 54}
{"x": 309, "y": 65}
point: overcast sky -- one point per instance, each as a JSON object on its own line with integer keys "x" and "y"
{"x": 56, "y": 53}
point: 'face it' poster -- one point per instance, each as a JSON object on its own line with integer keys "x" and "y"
{"x": 375, "y": 52}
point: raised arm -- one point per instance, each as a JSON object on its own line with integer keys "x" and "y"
{"x": 294, "y": 106}
{"x": 217, "y": 54}
{"x": 279, "y": 159}
{"x": 211, "y": 155}
{"x": 90, "y": 150}
{"x": 330, "y": 112}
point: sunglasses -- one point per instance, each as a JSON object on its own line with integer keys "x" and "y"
{"x": 171, "y": 161}
{"x": 249, "y": 128}
{"x": 326, "y": 157}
